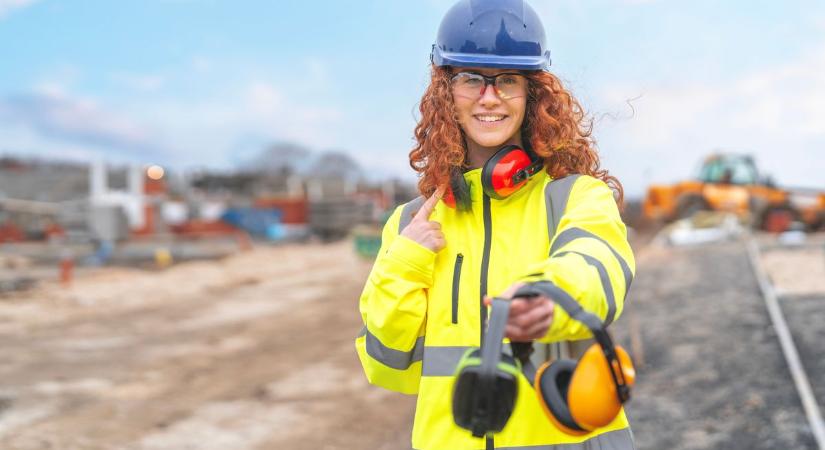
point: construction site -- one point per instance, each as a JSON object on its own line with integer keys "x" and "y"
{"x": 218, "y": 327}
{"x": 310, "y": 225}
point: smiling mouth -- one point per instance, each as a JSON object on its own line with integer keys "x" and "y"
{"x": 489, "y": 118}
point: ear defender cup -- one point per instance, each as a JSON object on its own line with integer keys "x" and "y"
{"x": 507, "y": 171}
{"x": 592, "y": 397}
{"x": 480, "y": 408}
{"x": 552, "y": 383}
{"x": 504, "y": 173}
{"x": 579, "y": 397}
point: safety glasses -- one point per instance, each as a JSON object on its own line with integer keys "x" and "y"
{"x": 472, "y": 85}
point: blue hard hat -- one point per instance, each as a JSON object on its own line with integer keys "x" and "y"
{"x": 502, "y": 34}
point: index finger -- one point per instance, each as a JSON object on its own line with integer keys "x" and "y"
{"x": 423, "y": 214}
{"x": 518, "y": 306}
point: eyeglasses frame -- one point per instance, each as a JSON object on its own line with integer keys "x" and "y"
{"x": 489, "y": 80}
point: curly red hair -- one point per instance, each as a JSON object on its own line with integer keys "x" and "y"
{"x": 555, "y": 125}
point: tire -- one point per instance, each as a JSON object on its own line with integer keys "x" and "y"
{"x": 777, "y": 219}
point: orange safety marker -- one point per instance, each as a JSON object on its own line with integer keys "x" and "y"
{"x": 244, "y": 242}
{"x": 66, "y": 270}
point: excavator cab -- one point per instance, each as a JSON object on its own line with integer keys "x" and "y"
{"x": 729, "y": 169}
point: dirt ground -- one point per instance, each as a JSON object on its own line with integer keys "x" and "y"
{"x": 251, "y": 352}
{"x": 796, "y": 271}
{"x": 713, "y": 375}
{"x": 255, "y": 351}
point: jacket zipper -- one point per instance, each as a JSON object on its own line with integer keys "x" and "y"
{"x": 459, "y": 259}
{"x": 485, "y": 263}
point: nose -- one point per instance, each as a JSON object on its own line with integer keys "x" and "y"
{"x": 489, "y": 96}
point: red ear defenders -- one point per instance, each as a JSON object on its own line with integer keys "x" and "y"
{"x": 502, "y": 175}
{"x": 577, "y": 396}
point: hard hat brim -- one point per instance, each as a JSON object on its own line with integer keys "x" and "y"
{"x": 490, "y": 61}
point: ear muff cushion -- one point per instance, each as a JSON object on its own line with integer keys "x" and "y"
{"x": 465, "y": 385}
{"x": 463, "y": 398}
{"x": 553, "y": 384}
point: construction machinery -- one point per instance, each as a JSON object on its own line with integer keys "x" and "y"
{"x": 732, "y": 183}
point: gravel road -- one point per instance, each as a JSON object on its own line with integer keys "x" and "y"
{"x": 713, "y": 375}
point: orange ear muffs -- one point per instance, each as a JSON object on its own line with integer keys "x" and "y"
{"x": 579, "y": 397}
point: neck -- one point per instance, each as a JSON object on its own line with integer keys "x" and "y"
{"x": 477, "y": 154}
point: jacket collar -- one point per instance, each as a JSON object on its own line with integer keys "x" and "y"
{"x": 473, "y": 179}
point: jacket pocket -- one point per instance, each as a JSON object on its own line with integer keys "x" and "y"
{"x": 459, "y": 259}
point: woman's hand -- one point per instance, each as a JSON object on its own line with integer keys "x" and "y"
{"x": 423, "y": 230}
{"x": 530, "y": 318}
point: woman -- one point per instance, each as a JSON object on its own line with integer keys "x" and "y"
{"x": 491, "y": 105}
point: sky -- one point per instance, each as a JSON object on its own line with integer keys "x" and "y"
{"x": 205, "y": 83}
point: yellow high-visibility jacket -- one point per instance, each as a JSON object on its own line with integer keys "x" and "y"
{"x": 422, "y": 309}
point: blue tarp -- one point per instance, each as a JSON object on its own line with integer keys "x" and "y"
{"x": 258, "y": 222}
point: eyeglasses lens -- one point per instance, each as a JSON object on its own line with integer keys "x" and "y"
{"x": 472, "y": 85}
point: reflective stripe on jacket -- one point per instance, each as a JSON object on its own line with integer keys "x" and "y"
{"x": 422, "y": 310}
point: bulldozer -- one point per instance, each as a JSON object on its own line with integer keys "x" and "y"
{"x": 732, "y": 183}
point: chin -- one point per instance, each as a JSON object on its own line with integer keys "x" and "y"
{"x": 491, "y": 141}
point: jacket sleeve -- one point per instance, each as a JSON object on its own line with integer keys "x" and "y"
{"x": 394, "y": 309}
{"x": 590, "y": 259}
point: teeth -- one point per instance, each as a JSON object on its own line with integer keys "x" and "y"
{"x": 489, "y": 118}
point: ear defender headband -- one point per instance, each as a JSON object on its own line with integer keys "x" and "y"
{"x": 502, "y": 175}
{"x": 577, "y": 396}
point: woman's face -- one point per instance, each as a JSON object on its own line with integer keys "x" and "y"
{"x": 488, "y": 120}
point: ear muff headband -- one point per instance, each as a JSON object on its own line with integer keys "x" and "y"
{"x": 507, "y": 171}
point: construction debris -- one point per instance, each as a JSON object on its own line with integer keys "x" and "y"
{"x": 701, "y": 228}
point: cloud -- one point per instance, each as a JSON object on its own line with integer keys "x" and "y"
{"x": 230, "y": 125}
{"x": 7, "y": 6}
{"x": 777, "y": 114}
{"x": 54, "y": 115}
{"x": 216, "y": 119}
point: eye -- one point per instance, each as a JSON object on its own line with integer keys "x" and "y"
{"x": 508, "y": 80}
{"x": 468, "y": 80}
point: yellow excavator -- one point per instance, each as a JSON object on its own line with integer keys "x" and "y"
{"x": 732, "y": 183}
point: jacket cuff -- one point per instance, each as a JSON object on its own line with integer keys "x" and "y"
{"x": 413, "y": 254}
{"x": 561, "y": 319}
